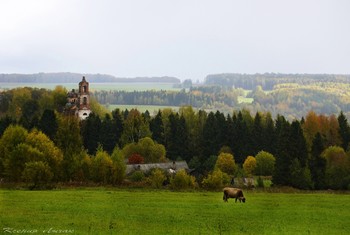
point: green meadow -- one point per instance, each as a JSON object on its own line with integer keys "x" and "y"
{"x": 136, "y": 211}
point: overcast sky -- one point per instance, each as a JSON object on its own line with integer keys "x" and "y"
{"x": 181, "y": 38}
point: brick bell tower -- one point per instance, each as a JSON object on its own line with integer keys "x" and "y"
{"x": 84, "y": 99}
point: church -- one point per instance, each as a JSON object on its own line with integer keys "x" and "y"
{"x": 78, "y": 102}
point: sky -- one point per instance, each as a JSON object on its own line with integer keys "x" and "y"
{"x": 187, "y": 39}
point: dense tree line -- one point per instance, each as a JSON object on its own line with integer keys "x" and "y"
{"x": 268, "y": 80}
{"x": 294, "y": 101}
{"x": 39, "y": 143}
{"x": 290, "y": 100}
{"x": 76, "y": 77}
{"x": 199, "y": 97}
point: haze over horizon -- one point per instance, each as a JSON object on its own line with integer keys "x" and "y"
{"x": 185, "y": 39}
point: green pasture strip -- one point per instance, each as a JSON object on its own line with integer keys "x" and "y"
{"x": 120, "y": 211}
{"x": 242, "y": 99}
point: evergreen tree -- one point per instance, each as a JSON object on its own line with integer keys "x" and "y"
{"x": 4, "y": 123}
{"x": 178, "y": 139}
{"x": 283, "y": 159}
{"x": 183, "y": 139}
{"x": 146, "y": 116}
{"x": 209, "y": 132}
{"x": 194, "y": 126}
{"x": 48, "y": 123}
{"x": 197, "y": 147}
{"x": 157, "y": 128}
{"x": 317, "y": 163}
{"x": 269, "y": 139}
{"x": 108, "y": 134}
{"x": 257, "y": 135}
{"x": 90, "y": 131}
{"x": 297, "y": 147}
{"x": 135, "y": 127}
{"x": 230, "y": 137}
{"x": 300, "y": 176}
{"x": 344, "y": 130}
{"x": 171, "y": 142}
{"x": 118, "y": 124}
{"x": 220, "y": 131}
{"x": 30, "y": 111}
{"x": 241, "y": 134}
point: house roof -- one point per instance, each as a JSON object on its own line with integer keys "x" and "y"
{"x": 178, "y": 165}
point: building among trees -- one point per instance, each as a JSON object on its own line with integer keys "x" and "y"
{"x": 170, "y": 167}
{"x": 78, "y": 103}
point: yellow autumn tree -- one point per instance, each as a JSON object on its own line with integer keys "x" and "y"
{"x": 226, "y": 163}
{"x": 249, "y": 165}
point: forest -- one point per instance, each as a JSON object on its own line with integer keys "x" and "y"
{"x": 290, "y": 95}
{"x": 268, "y": 80}
{"x": 291, "y": 100}
{"x": 39, "y": 145}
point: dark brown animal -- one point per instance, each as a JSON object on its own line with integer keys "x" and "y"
{"x": 233, "y": 193}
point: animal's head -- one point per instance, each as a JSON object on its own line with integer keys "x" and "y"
{"x": 242, "y": 199}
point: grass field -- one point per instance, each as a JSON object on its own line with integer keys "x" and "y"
{"x": 116, "y": 211}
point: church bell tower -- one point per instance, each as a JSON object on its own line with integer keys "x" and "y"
{"x": 84, "y": 100}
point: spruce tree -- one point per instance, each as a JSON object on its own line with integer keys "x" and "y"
{"x": 257, "y": 135}
{"x": 344, "y": 130}
{"x": 108, "y": 134}
{"x": 91, "y": 130}
{"x": 269, "y": 138}
{"x": 283, "y": 159}
{"x": 208, "y": 141}
{"x": 317, "y": 163}
{"x": 48, "y": 123}
{"x": 297, "y": 144}
{"x": 157, "y": 128}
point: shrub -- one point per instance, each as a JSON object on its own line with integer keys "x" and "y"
{"x": 182, "y": 181}
{"x": 37, "y": 174}
{"x": 137, "y": 176}
{"x": 157, "y": 178}
{"x": 102, "y": 166}
{"x": 216, "y": 180}
{"x": 119, "y": 166}
{"x": 300, "y": 176}
{"x": 147, "y": 148}
{"x": 337, "y": 167}
{"x": 260, "y": 182}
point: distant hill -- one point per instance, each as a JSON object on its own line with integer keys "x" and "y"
{"x": 76, "y": 77}
{"x": 268, "y": 80}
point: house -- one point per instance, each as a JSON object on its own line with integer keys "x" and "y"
{"x": 171, "y": 167}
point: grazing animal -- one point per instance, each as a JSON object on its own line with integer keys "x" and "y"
{"x": 233, "y": 193}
